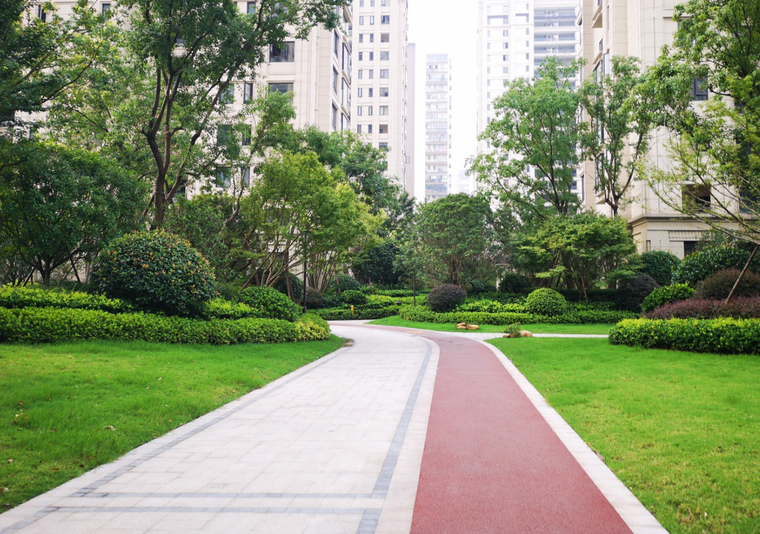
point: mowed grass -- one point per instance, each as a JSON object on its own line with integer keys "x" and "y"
{"x": 681, "y": 430}
{"x": 488, "y": 328}
{"x": 67, "y": 408}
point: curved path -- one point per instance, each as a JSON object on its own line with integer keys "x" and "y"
{"x": 404, "y": 431}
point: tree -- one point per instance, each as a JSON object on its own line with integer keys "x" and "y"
{"x": 534, "y": 139}
{"x": 457, "y": 240}
{"x": 298, "y": 207}
{"x": 715, "y": 145}
{"x": 61, "y": 204}
{"x": 168, "y": 71}
{"x": 580, "y": 251}
{"x": 616, "y": 137}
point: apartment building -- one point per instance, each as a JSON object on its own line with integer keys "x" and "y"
{"x": 411, "y": 73}
{"x": 379, "y": 88}
{"x": 637, "y": 28}
{"x": 514, "y": 39}
{"x": 437, "y": 126}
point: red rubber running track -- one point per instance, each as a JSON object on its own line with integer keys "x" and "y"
{"x": 492, "y": 464}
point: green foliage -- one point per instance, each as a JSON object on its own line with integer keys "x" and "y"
{"x": 514, "y": 283}
{"x": 314, "y": 299}
{"x": 719, "y": 336}
{"x": 224, "y": 309}
{"x": 44, "y": 325}
{"x": 633, "y": 291}
{"x": 39, "y": 297}
{"x": 272, "y": 303}
{"x": 353, "y": 297}
{"x": 375, "y": 265}
{"x": 445, "y": 297}
{"x": 457, "y": 243}
{"x": 513, "y": 330}
{"x": 156, "y": 271}
{"x": 660, "y": 265}
{"x": 546, "y": 301}
{"x": 719, "y": 285}
{"x": 62, "y": 204}
{"x": 296, "y": 286}
{"x": 423, "y": 314}
{"x": 665, "y": 295}
{"x": 699, "y": 265}
{"x": 490, "y": 306}
{"x": 578, "y": 251}
{"x": 478, "y": 286}
{"x": 536, "y": 120}
{"x": 343, "y": 282}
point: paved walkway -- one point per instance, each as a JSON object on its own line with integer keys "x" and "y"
{"x": 337, "y": 447}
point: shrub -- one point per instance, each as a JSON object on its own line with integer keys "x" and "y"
{"x": 41, "y": 325}
{"x": 272, "y": 303}
{"x": 424, "y": 314}
{"x": 343, "y": 282}
{"x": 740, "y": 308}
{"x": 720, "y": 336}
{"x": 546, "y": 301}
{"x": 660, "y": 264}
{"x": 314, "y": 298}
{"x": 482, "y": 286}
{"x": 224, "y": 309}
{"x": 699, "y": 265}
{"x": 666, "y": 295}
{"x": 445, "y": 297}
{"x": 514, "y": 283}
{"x": 487, "y": 306}
{"x": 719, "y": 285}
{"x": 296, "y": 286}
{"x": 353, "y": 297}
{"x": 156, "y": 271}
{"x": 34, "y": 296}
{"x": 633, "y": 291}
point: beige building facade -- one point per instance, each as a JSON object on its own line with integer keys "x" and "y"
{"x": 380, "y": 106}
{"x": 636, "y": 28}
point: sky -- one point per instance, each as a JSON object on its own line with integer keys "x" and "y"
{"x": 449, "y": 27}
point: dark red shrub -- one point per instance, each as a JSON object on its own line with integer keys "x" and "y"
{"x": 740, "y": 308}
{"x": 718, "y": 285}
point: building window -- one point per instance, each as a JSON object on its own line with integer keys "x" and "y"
{"x": 369, "y": 110}
{"x": 335, "y": 81}
{"x": 385, "y": 73}
{"x": 695, "y": 197}
{"x": 383, "y": 110}
{"x": 228, "y": 95}
{"x": 385, "y": 37}
{"x": 247, "y": 92}
{"x": 689, "y": 247}
{"x": 245, "y": 176}
{"x": 223, "y": 177}
{"x": 361, "y": 20}
{"x": 382, "y": 146}
{"x": 369, "y": 128}
{"x": 384, "y": 92}
{"x": 281, "y": 87}
{"x": 385, "y": 3}
{"x": 371, "y": 37}
{"x": 361, "y": 37}
{"x": 383, "y": 129}
{"x": 371, "y": 56}
{"x": 282, "y": 54}
{"x": 360, "y": 74}
{"x": 505, "y": 33}
{"x": 245, "y": 138}
{"x": 361, "y": 56}
{"x": 699, "y": 89}
{"x": 371, "y": 74}
{"x": 359, "y": 111}
{"x": 250, "y": 8}
{"x": 334, "y": 118}
{"x": 41, "y": 14}
{"x": 385, "y": 19}
{"x": 505, "y": 46}
{"x": 105, "y": 8}
{"x": 385, "y": 56}
{"x": 358, "y": 128}
{"x": 360, "y": 92}
{"x": 371, "y": 20}
{"x": 371, "y": 92}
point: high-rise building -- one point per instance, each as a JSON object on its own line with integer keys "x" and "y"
{"x": 637, "y": 28}
{"x": 411, "y": 69}
{"x": 437, "y": 126}
{"x": 380, "y": 79}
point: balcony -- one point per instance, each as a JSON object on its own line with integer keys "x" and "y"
{"x": 597, "y": 20}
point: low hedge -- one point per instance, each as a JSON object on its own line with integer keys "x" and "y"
{"x": 719, "y": 336}
{"x": 424, "y": 314}
{"x": 224, "y": 309}
{"x": 369, "y": 311}
{"x": 41, "y": 325}
{"x": 37, "y": 297}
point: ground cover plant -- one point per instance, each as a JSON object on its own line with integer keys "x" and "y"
{"x": 679, "y": 429}
{"x": 488, "y": 328}
{"x": 69, "y": 407}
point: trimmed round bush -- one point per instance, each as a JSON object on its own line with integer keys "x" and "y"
{"x": 445, "y": 297}
{"x": 514, "y": 283}
{"x": 719, "y": 285}
{"x": 660, "y": 264}
{"x": 157, "y": 271}
{"x": 357, "y": 298}
{"x": 633, "y": 291}
{"x": 699, "y": 265}
{"x": 665, "y": 295}
{"x": 314, "y": 298}
{"x": 342, "y": 282}
{"x": 272, "y": 303}
{"x": 546, "y": 301}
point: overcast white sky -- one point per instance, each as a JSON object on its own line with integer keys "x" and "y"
{"x": 446, "y": 26}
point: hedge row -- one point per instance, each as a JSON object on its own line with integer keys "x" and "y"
{"x": 40, "y": 325}
{"x": 426, "y": 315}
{"x": 360, "y": 312}
{"x": 30, "y": 296}
{"x": 718, "y": 336}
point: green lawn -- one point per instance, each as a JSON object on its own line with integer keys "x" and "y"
{"x": 67, "y": 408}
{"x": 679, "y": 429}
{"x": 487, "y": 328}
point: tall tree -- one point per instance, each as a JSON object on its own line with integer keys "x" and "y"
{"x": 171, "y": 72}
{"x": 616, "y": 136}
{"x": 534, "y": 138}
{"x": 715, "y": 145}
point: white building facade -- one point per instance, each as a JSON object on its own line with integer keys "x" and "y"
{"x": 438, "y": 181}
